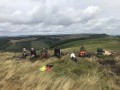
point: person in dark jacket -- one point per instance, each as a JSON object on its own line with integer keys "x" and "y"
{"x": 33, "y": 53}
{"x": 57, "y": 52}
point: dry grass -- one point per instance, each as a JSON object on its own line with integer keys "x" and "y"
{"x": 25, "y": 75}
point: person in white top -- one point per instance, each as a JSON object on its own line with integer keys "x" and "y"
{"x": 73, "y": 57}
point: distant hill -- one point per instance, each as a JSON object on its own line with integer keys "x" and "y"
{"x": 39, "y": 41}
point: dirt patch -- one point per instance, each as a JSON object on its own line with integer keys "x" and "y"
{"x": 116, "y": 69}
{"x": 110, "y": 65}
{"x": 107, "y": 62}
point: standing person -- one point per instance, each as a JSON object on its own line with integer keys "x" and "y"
{"x": 73, "y": 57}
{"x": 24, "y": 53}
{"x": 33, "y": 53}
{"x": 43, "y": 53}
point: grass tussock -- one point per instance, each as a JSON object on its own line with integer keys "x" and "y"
{"x": 86, "y": 74}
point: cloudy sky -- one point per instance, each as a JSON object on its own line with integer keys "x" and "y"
{"x": 29, "y": 17}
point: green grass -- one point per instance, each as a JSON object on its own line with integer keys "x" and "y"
{"x": 86, "y": 74}
{"x": 93, "y": 44}
{"x": 73, "y": 69}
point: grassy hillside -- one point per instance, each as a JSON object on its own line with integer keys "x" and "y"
{"x": 86, "y": 74}
{"x": 15, "y": 44}
{"x": 109, "y": 43}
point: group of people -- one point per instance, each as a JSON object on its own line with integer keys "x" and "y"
{"x": 26, "y": 53}
{"x": 83, "y": 53}
{"x": 57, "y": 52}
{"x": 43, "y": 53}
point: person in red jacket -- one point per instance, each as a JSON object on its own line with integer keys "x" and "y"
{"x": 82, "y": 51}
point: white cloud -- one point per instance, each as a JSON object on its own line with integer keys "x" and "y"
{"x": 20, "y": 17}
{"x": 51, "y": 16}
{"x": 91, "y": 11}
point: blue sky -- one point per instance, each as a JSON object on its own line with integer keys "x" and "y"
{"x": 29, "y": 17}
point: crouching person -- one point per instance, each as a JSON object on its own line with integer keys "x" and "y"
{"x": 73, "y": 57}
{"x": 33, "y": 54}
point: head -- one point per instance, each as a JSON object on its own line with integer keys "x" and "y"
{"x": 32, "y": 48}
{"x": 43, "y": 48}
{"x": 24, "y": 48}
{"x": 82, "y": 45}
